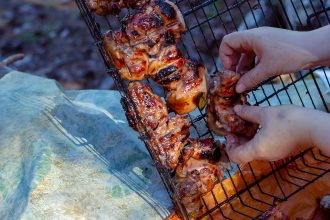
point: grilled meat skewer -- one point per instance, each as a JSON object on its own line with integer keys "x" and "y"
{"x": 159, "y": 19}
{"x": 151, "y": 107}
{"x": 167, "y": 134}
{"x": 183, "y": 78}
{"x": 189, "y": 89}
{"x": 145, "y": 48}
{"x": 170, "y": 137}
{"x": 199, "y": 169}
{"x": 146, "y": 36}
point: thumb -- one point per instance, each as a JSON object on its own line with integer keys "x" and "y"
{"x": 251, "y": 78}
{"x": 249, "y": 113}
{"x": 240, "y": 150}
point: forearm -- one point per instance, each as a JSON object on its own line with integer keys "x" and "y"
{"x": 318, "y": 43}
{"x": 320, "y": 130}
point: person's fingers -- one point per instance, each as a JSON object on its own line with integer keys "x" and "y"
{"x": 251, "y": 78}
{"x": 249, "y": 113}
{"x": 245, "y": 63}
{"x": 240, "y": 150}
{"x": 229, "y": 57}
{"x": 231, "y": 47}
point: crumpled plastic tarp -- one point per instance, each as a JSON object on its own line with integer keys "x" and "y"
{"x": 72, "y": 155}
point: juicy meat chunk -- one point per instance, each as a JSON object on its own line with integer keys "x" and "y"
{"x": 199, "y": 169}
{"x": 189, "y": 89}
{"x": 155, "y": 21}
{"x": 222, "y": 98}
{"x": 168, "y": 135}
{"x": 150, "y": 107}
{"x": 166, "y": 68}
{"x": 169, "y": 139}
{"x": 223, "y": 85}
{"x": 131, "y": 62}
{"x": 146, "y": 43}
{"x": 106, "y": 7}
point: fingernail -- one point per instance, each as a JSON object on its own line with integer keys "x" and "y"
{"x": 240, "y": 88}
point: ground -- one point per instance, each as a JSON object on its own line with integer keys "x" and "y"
{"x": 55, "y": 41}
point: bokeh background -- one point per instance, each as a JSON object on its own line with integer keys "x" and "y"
{"x": 55, "y": 41}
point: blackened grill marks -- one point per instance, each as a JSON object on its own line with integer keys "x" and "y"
{"x": 165, "y": 72}
{"x": 153, "y": 21}
{"x": 171, "y": 78}
{"x": 169, "y": 37}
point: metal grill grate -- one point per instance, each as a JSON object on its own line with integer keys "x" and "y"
{"x": 207, "y": 22}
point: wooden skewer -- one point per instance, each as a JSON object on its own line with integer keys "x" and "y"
{"x": 12, "y": 59}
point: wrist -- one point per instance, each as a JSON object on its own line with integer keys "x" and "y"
{"x": 308, "y": 120}
{"x": 312, "y": 56}
{"x": 317, "y": 44}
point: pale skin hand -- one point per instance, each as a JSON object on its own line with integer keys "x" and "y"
{"x": 285, "y": 130}
{"x": 275, "y": 52}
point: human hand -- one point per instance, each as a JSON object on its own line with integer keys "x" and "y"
{"x": 274, "y": 51}
{"x": 285, "y": 130}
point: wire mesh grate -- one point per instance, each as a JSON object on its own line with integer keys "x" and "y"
{"x": 208, "y": 21}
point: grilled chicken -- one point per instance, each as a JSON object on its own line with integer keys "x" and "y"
{"x": 170, "y": 137}
{"x": 166, "y": 68}
{"x": 183, "y": 78}
{"x": 106, "y": 7}
{"x": 198, "y": 170}
{"x": 159, "y": 19}
{"x": 131, "y": 62}
{"x": 147, "y": 37}
{"x": 146, "y": 48}
{"x": 167, "y": 134}
{"x": 189, "y": 89}
{"x": 151, "y": 108}
{"x": 222, "y": 98}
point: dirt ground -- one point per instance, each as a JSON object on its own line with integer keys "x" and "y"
{"x": 55, "y": 41}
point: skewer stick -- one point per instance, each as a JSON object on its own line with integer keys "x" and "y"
{"x": 12, "y": 59}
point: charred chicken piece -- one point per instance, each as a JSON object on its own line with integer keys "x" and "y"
{"x": 131, "y": 62}
{"x": 170, "y": 137}
{"x": 168, "y": 134}
{"x": 147, "y": 38}
{"x": 223, "y": 85}
{"x": 189, "y": 89}
{"x": 160, "y": 19}
{"x": 198, "y": 170}
{"x": 106, "y": 7}
{"x": 166, "y": 68}
{"x": 222, "y": 98}
{"x": 150, "y": 106}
